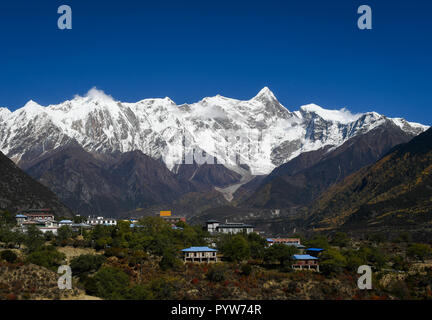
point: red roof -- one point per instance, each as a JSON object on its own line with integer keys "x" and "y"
{"x": 38, "y": 214}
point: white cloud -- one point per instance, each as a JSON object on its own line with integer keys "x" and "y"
{"x": 343, "y": 115}
{"x": 96, "y": 94}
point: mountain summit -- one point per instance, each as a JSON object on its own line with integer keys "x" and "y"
{"x": 262, "y": 132}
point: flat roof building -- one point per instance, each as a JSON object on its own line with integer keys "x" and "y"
{"x": 214, "y": 226}
{"x": 305, "y": 261}
{"x": 199, "y": 254}
{"x": 94, "y": 221}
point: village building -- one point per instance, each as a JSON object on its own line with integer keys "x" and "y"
{"x": 199, "y": 254}
{"x": 211, "y": 225}
{"x": 37, "y": 214}
{"x": 295, "y": 242}
{"x": 79, "y": 227}
{"x": 94, "y": 221}
{"x": 174, "y": 219}
{"x": 305, "y": 262}
{"x": 20, "y": 218}
{"x": 43, "y": 225}
{"x": 166, "y": 215}
{"x": 43, "y": 219}
{"x": 272, "y": 241}
{"x": 65, "y": 223}
{"x": 314, "y": 252}
{"x": 214, "y": 226}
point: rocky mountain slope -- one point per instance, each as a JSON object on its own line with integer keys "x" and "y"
{"x": 301, "y": 180}
{"x": 19, "y": 191}
{"x": 113, "y": 184}
{"x": 393, "y": 193}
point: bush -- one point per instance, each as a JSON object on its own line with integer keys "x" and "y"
{"x": 399, "y": 289}
{"x": 282, "y": 253}
{"x": 9, "y": 256}
{"x": 246, "y": 269}
{"x": 340, "y": 239}
{"x": 419, "y": 251}
{"x": 116, "y": 252}
{"x": 216, "y": 273}
{"x": 235, "y": 248}
{"x": 169, "y": 261}
{"x": 86, "y": 263}
{"x": 47, "y": 257}
{"x": 163, "y": 288}
{"x": 34, "y": 239}
{"x": 332, "y": 261}
{"x": 354, "y": 260}
{"x": 108, "y": 283}
{"x": 319, "y": 241}
{"x": 139, "y": 292}
{"x": 399, "y": 263}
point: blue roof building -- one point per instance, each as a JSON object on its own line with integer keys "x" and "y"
{"x": 314, "y": 251}
{"x": 65, "y": 222}
{"x": 200, "y": 254}
{"x": 305, "y": 261}
{"x": 199, "y": 249}
{"x": 304, "y": 257}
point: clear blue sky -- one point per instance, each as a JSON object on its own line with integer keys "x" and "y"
{"x": 305, "y": 51}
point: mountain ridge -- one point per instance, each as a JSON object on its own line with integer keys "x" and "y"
{"x": 159, "y": 128}
{"x": 394, "y": 192}
{"x": 19, "y": 191}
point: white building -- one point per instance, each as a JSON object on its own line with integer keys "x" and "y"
{"x": 214, "y": 226}
{"x": 94, "y": 221}
{"x": 200, "y": 254}
{"x": 65, "y": 223}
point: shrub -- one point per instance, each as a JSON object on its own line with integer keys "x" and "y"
{"x": 340, "y": 239}
{"x": 47, "y": 257}
{"x": 235, "y": 248}
{"x": 332, "y": 261}
{"x": 246, "y": 269}
{"x": 115, "y": 252}
{"x": 164, "y": 288}
{"x": 86, "y": 263}
{"x": 169, "y": 261}
{"x": 216, "y": 273}
{"x": 419, "y": 251}
{"x": 282, "y": 253}
{"x": 108, "y": 283}
{"x": 139, "y": 292}
{"x": 9, "y": 256}
{"x": 399, "y": 289}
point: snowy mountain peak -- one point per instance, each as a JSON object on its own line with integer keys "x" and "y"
{"x": 265, "y": 94}
{"x": 269, "y": 133}
{"x": 31, "y": 104}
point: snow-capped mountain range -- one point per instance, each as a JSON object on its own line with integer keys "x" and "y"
{"x": 264, "y": 132}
